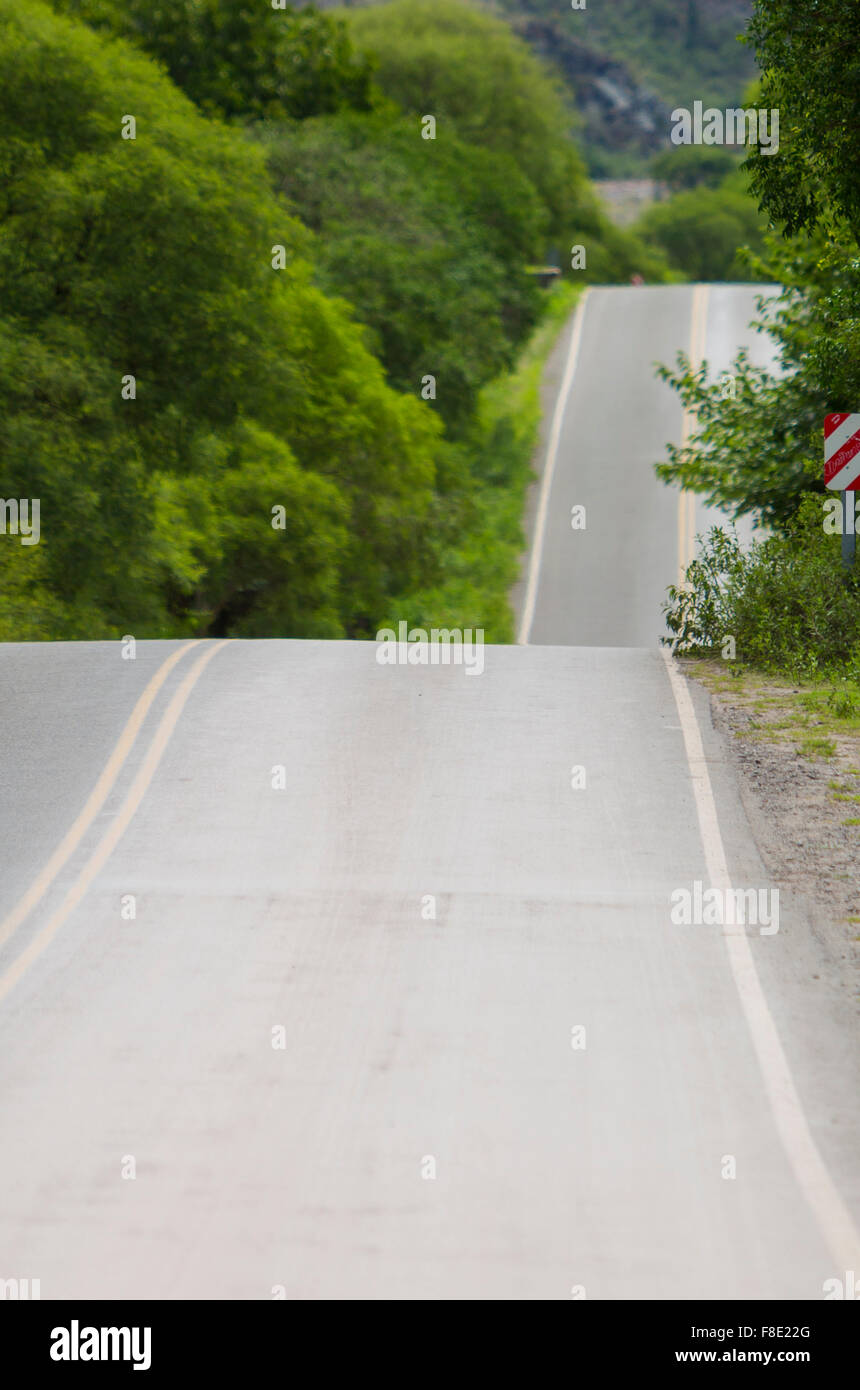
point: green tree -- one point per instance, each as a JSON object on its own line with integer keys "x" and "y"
{"x": 809, "y": 55}
{"x": 690, "y": 166}
{"x": 242, "y": 58}
{"x": 429, "y": 240}
{"x": 483, "y": 85}
{"x": 152, "y": 258}
{"x": 701, "y": 232}
{"x": 470, "y": 71}
{"x": 760, "y": 449}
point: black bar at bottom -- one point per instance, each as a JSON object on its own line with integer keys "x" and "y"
{"x": 161, "y": 1339}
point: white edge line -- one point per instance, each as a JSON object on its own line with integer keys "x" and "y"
{"x": 833, "y": 1217}
{"x": 549, "y": 471}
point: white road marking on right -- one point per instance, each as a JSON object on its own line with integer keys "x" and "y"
{"x": 833, "y": 1217}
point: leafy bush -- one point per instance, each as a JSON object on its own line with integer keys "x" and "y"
{"x": 692, "y": 166}
{"x": 759, "y": 449}
{"x": 786, "y": 600}
{"x": 240, "y": 58}
{"x": 702, "y": 232}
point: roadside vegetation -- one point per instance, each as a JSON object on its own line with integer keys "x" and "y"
{"x": 788, "y": 603}
{"x": 709, "y": 228}
{"x": 483, "y": 559}
{"x": 797, "y": 742}
{"x": 217, "y": 338}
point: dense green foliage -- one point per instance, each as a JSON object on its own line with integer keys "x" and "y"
{"x": 449, "y": 60}
{"x": 703, "y": 231}
{"x": 429, "y": 240}
{"x": 217, "y": 328}
{"x": 628, "y": 63}
{"x": 153, "y": 257}
{"x": 809, "y": 55}
{"x": 693, "y": 166}
{"x": 784, "y": 600}
{"x": 241, "y": 58}
{"x": 759, "y": 449}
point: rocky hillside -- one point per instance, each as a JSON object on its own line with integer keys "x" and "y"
{"x": 628, "y": 63}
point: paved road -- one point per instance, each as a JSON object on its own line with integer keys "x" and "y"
{"x": 334, "y": 1044}
{"x": 604, "y": 585}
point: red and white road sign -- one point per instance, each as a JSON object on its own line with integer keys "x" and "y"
{"x": 842, "y": 452}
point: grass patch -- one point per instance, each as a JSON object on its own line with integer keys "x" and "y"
{"x": 815, "y": 715}
{"x": 482, "y": 567}
{"x": 818, "y": 748}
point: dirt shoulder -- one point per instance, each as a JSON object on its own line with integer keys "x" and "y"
{"x": 797, "y": 749}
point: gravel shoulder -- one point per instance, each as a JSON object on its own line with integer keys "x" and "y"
{"x": 796, "y": 746}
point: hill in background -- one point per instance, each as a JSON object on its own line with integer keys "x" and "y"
{"x": 629, "y": 63}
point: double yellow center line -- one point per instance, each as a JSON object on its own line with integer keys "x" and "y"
{"x": 93, "y": 805}
{"x": 687, "y": 500}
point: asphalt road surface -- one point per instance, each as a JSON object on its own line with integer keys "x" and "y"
{"x": 331, "y": 979}
{"x": 603, "y": 584}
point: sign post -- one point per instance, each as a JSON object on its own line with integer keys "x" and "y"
{"x": 842, "y": 472}
{"x": 849, "y": 540}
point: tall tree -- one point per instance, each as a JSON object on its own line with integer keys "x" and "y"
{"x": 809, "y": 54}
{"x": 147, "y": 263}
{"x": 242, "y": 58}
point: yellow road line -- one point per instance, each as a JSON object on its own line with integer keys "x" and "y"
{"x": 687, "y": 500}
{"x": 96, "y": 799}
{"x": 118, "y": 825}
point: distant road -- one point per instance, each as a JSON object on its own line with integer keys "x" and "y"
{"x": 499, "y": 1070}
{"x": 604, "y": 586}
